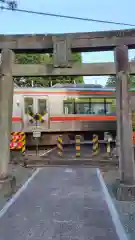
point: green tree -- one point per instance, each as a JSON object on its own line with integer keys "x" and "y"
{"x": 44, "y": 81}
{"x": 111, "y": 81}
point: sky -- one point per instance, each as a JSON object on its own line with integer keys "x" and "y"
{"x": 119, "y": 11}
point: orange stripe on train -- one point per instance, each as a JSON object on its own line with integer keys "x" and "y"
{"x": 83, "y": 118}
{"x": 66, "y": 92}
{"x": 17, "y": 119}
{"x": 74, "y": 118}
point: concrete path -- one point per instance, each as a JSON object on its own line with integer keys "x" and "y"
{"x": 59, "y": 203}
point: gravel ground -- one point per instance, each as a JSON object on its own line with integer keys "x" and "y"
{"x": 21, "y": 174}
{"x": 125, "y": 209}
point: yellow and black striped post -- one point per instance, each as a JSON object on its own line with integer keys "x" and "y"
{"x": 23, "y": 142}
{"x": 60, "y": 146}
{"x": 19, "y": 140}
{"x": 77, "y": 145}
{"x": 95, "y": 144}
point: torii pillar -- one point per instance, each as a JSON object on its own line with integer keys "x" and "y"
{"x": 6, "y": 102}
{"x": 126, "y": 189}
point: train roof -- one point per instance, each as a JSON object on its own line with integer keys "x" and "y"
{"x": 81, "y": 85}
{"x": 70, "y": 87}
{"x": 50, "y": 89}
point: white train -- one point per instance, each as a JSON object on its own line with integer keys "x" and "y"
{"x": 63, "y": 109}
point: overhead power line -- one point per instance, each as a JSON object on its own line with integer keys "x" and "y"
{"x": 66, "y": 16}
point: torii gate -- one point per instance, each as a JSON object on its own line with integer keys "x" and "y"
{"x": 62, "y": 45}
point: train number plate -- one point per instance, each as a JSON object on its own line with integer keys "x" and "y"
{"x": 36, "y": 134}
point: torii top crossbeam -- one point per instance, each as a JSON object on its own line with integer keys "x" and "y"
{"x": 80, "y": 42}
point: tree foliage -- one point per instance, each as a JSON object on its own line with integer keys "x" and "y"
{"x": 111, "y": 82}
{"x": 10, "y": 4}
{"x": 44, "y": 81}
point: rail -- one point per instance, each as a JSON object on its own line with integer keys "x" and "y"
{"x": 91, "y": 142}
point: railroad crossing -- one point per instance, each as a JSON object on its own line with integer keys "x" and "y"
{"x": 62, "y": 45}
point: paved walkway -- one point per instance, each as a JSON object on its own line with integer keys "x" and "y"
{"x": 60, "y": 204}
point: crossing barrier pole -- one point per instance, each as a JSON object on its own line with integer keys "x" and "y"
{"x": 77, "y": 145}
{"x": 108, "y": 147}
{"x": 95, "y": 144}
{"x": 23, "y": 142}
{"x": 60, "y": 146}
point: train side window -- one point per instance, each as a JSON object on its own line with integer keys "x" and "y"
{"x": 28, "y": 105}
{"x": 111, "y": 106}
{"x": 42, "y": 106}
{"x": 98, "y": 108}
{"x": 68, "y": 108}
{"x": 82, "y": 105}
{"x": 82, "y": 108}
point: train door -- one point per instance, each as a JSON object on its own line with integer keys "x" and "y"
{"x": 29, "y": 111}
{"x": 41, "y": 109}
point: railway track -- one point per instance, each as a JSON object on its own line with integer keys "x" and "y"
{"x": 50, "y": 157}
{"x": 41, "y": 152}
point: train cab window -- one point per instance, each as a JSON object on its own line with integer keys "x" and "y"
{"x": 42, "y": 106}
{"x": 28, "y": 104}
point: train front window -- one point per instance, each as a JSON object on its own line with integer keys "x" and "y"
{"x": 28, "y": 104}
{"x": 42, "y": 106}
